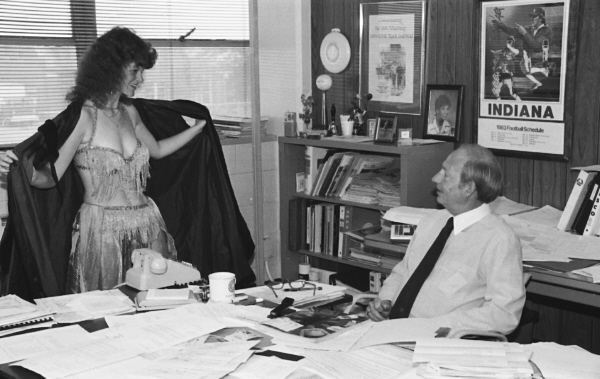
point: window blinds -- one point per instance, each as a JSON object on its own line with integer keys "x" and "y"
{"x": 203, "y": 54}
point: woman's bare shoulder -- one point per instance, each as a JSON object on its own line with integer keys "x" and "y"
{"x": 86, "y": 119}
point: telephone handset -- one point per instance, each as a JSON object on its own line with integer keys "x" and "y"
{"x": 151, "y": 270}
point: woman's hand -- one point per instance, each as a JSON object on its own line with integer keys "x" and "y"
{"x": 200, "y": 124}
{"x": 6, "y": 160}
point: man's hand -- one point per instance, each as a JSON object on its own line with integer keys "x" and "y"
{"x": 521, "y": 29}
{"x": 379, "y": 310}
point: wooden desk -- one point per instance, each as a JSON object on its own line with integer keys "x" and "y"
{"x": 564, "y": 286}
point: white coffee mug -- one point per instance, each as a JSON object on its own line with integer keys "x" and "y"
{"x": 347, "y": 128}
{"x": 222, "y": 286}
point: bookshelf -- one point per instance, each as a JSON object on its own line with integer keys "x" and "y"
{"x": 418, "y": 164}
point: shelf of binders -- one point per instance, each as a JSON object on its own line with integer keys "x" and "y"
{"x": 299, "y": 161}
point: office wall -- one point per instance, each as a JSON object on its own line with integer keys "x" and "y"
{"x": 451, "y": 58}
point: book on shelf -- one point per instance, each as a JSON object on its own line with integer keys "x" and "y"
{"x": 359, "y": 234}
{"x": 340, "y": 174}
{"x": 382, "y": 241}
{"x": 335, "y": 163}
{"x": 362, "y": 164}
{"x": 296, "y": 224}
{"x": 360, "y": 255}
{"x": 575, "y": 199}
{"x": 325, "y": 173}
{"x": 586, "y": 206}
{"x": 354, "y": 218}
{"x": 313, "y": 158}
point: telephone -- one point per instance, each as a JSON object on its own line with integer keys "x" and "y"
{"x": 151, "y": 270}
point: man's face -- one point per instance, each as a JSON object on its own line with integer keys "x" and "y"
{"x": 536, "y": 21}
{"x": 443, "y": 112}
{"x": 450, "y": 193}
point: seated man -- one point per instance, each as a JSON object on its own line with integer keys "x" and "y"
{"x": 470, "y": 277}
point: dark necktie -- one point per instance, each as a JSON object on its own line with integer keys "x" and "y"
{"x": 406, "y": 299}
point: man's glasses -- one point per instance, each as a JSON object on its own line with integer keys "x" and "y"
{"x": 293, "y": 286}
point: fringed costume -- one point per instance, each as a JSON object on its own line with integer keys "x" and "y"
{"x": 190, "y": 189}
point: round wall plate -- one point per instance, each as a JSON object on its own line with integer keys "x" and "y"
{"x": 335, "y": 51}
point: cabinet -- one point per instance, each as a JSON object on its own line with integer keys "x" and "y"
{"x": 418, "y": 164}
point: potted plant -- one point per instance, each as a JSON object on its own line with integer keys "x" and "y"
{"x": 307, "y": 107}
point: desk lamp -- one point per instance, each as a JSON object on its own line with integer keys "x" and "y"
{"x": 324, "y": 83}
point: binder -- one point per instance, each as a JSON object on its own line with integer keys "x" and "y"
{"x": 313, "y": 157}
{"x": 586, "y": 206}
{"x": 591, "y": 227}
{"x": 575, "y": 200}
{"x": 296, "y": 222}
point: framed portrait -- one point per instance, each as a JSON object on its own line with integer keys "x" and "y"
{"x": 523, "y": 67}
{"x": 392, "y": 52}
{"x": 443, "y": 111}
{"x": 371, "y": 125}
{"x": 386, "y": 129}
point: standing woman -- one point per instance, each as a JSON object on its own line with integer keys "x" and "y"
{"x": 102, "y": 138}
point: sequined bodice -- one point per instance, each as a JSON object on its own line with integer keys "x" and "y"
{"x": 111, "y": 172}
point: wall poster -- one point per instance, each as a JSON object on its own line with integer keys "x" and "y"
{"x": 523, "y": 66}
{"x": 392, "y": 54}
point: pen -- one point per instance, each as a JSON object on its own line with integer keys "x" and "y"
{"x": 301, "y": 289}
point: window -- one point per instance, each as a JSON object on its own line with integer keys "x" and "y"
{"x": 203, "y": 54}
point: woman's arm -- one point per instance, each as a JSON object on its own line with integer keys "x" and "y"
{"x": 42, "y": 177}
{"x": 167, "y": 146}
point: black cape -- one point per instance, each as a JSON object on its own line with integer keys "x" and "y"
{"x": 191, "y": 187}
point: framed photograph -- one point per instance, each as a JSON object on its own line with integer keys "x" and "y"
{"x": 386, "y": 129}
{"x": 443, "y": 105}
{"x": 392, "y": 52}
{"x": 371, "y": 124}
{"x": 523, "y": 68}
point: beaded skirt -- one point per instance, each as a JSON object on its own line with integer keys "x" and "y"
{"x": 104, "y": 238}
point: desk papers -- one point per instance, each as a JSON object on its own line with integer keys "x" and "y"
{"x": 592, "y": 272}
{"x": 17, "y": 314}
{"x": 443, "y": 357}
{"x": 542, "y": 243}
{"x": 564, "y": 362}
{"x": 398, "y": 330}
{"x": 86, "y": 306}
{"x": 29, "y": 345}
{"x": 117, "y": 344}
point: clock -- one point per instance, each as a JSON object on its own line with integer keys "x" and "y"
{"x": 335, "y": 51}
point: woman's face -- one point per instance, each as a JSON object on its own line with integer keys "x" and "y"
{"x": 132, "y": 80}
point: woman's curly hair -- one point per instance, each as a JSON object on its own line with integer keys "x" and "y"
{"x": 100, "y": 69}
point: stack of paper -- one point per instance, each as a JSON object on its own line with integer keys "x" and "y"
{"x": 164, "y": 298}
{"x": 450, "y": 358}
{"x": 17, "y": 314}
{"x": 87, "y": 305}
